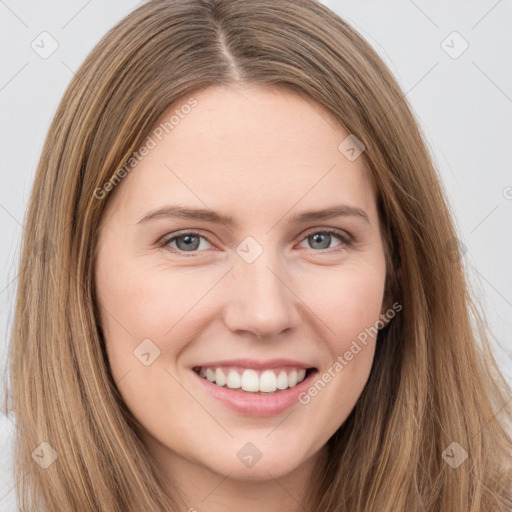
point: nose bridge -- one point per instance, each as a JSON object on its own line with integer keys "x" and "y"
{"x": 262, "y": 301}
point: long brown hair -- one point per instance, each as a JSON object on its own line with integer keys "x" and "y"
{"x": 434, "y": 388}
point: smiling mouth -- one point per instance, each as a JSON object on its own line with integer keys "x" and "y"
{"x": 249, "y": 380}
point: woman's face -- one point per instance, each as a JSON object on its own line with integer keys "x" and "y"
{"x": 256, "y": 301}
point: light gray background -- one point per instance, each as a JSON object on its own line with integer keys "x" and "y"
{"x": 463, "y": 104}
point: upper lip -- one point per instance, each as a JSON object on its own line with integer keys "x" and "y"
{"x": 257, "y": 365}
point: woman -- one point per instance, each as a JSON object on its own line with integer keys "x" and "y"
{"x": 247, "y": 295}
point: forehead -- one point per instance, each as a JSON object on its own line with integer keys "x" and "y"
{"x": 250, "y": 149}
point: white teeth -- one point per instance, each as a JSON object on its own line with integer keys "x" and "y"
{"x": 234, "y": 380}
{"x": 268, "y": 381}
{"x": 249, "y": 380}
{"x": 282, "y": 380}
{"x": 220, "y": 378}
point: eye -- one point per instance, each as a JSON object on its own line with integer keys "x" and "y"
{"x": 185, "y": 242}
{"x": 322, "y": 239}
{"x": 190, "y": 241}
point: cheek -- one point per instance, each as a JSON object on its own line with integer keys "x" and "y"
{"x": 147, "y": 320}
{"x": 150, "y": 310}
{"x": 139, "y": 302}
{"x": 349, "y": 302}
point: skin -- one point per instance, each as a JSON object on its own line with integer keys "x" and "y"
{"x": 261, "y": 156}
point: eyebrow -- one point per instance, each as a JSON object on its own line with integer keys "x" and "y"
{"x": 174, "y": 211}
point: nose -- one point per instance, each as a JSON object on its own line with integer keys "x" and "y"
{"x": 261, "y": 299}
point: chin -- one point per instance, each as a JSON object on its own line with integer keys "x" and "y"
{"x": 252, "y": 462}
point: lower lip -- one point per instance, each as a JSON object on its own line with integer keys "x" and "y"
{"x": 257, "y": 404}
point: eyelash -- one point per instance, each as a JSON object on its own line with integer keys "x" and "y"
{"x": 344, "y": 238}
